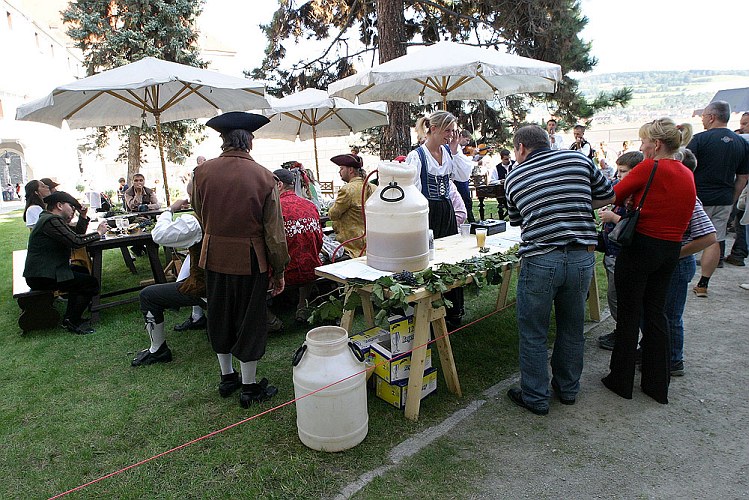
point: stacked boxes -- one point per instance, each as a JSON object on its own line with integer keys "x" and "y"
{"x": 391, "y": 375}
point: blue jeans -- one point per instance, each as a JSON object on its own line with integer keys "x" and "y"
{"x": 560, "y": 278}
{"x": 676, "y": 300}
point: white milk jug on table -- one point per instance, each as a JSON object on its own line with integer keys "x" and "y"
{"x": 397, "y": 221}
{"x": 335, "y": 418}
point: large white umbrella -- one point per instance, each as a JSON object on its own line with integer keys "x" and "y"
{"x": 311, "y": 113}
{"x": 449, "y": 71}
{"x": 738, "y": 99}
{"x": 151, "y": 91}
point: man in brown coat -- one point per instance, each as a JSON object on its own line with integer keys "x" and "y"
{"x": 244, "y": 252}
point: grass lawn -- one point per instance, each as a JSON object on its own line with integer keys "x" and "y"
{"x": 72, "y": 409}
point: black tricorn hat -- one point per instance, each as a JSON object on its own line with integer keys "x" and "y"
{"x": 236, "y": 120}
{"x": 62, "y": 197}
{"x": 348, "y": 160}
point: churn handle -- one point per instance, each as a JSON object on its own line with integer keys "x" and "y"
{"x": 395, "y": 186}
{"x": 356, "y": 350}
{"x": 298, "y": 355}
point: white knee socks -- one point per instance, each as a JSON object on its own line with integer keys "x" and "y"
{"x": 197, "y": 313}
{"x": 224, "y": 360}
{"x": 249, "y": 368}
{"x": 156, "y": 332}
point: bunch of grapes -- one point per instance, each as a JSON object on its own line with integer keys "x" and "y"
{"x": 406, "y": 277}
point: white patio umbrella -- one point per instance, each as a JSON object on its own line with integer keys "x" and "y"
{"x": 737, "y": 98}
{"x": 150, "y": 90}
{"x": 449, "y": 71}
{"x": 311, "y": 113}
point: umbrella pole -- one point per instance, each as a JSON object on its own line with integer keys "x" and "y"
{"x": 444, "y": 102}
{"x": 314, "y": 142}
{"x": 163, "y": 163}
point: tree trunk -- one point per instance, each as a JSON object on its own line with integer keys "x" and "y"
{"x": 396, "y": 137}
{"x": 133, "y": 154}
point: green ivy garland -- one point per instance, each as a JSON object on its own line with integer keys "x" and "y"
{"x": 389, "y": 293}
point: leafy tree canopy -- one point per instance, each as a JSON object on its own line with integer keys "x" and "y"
{"x": 112, "y": 33}
{"x": 548, "y": 30}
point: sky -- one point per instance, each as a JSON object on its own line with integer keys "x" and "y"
{"x": 627, "y": 35}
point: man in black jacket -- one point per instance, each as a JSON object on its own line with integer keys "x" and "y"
{"x": 48, "y": 258}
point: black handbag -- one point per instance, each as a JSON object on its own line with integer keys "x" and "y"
{"x": 624, "y": 231}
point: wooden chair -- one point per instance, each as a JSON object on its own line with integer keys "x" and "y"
{"x": 326, "y": 187}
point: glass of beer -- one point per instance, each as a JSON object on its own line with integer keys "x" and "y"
{"x": 481, "y": 237}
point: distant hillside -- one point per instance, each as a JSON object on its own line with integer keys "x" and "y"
{"x": 661, "y": 93}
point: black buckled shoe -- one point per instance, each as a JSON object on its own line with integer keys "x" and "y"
{"x": 145, "y": 357}
{"x": 516, "y": 396}
{"x": 82, "y": 328}
{"x": 190, "y": 324}
{"x": 229, "y": 384}
{"x": 256, "y": 393}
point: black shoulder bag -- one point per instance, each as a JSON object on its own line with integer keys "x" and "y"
{"x": 624, "y": 231}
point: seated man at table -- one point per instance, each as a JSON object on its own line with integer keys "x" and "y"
{"x": 346, "y": 211}
{"x": 48, "y": 258}
{"x": 183, "y": 232}
{"x": 139, "y": 198}
{"x": 301, "y": 222}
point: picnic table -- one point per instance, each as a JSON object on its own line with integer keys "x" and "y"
{"x": 96, "y": 250}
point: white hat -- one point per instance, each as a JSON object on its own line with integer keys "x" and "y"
{"x": 183, "y": 232}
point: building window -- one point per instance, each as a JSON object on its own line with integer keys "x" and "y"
{"x": 10, "y": 20}
{"x": 36, "y": 40}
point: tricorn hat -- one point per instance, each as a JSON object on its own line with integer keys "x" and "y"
{"x": 237, "y": 120}
{"x": 349, "y": 160}
{"x": 49, "y": 182}
{"x": 62, "y": 197}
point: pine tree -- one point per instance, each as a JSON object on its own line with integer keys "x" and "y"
{"x": 112, "y": 33}
{"x": 541, "y": 29}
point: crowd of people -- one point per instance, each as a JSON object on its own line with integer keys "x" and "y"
{"x": 257, "y": 236}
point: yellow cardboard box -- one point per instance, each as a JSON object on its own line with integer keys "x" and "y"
{"x": 389, "y": 370}
{"x": 401, "y": 332}
{"x": 368, "y": 337}
{"x": 396, "y": 393}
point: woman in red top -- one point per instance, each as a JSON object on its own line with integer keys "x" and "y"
{"x": 643, "y": 269}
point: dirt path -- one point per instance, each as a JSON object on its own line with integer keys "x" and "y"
{"x": 695, "y": 447}
{"x": 608, "y": 447}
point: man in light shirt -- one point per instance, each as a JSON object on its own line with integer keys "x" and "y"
{"x": 557, "y": 142}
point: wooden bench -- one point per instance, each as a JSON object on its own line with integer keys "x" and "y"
{"x": 37, "y": 311}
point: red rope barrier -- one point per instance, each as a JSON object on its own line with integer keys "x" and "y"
{"x": 248, "y": 419}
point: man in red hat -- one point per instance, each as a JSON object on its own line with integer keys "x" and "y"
{"x": 346, "y": 211}
{"x": 244, "y": 252}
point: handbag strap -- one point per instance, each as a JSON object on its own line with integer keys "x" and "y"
{"x": 647, "y": 186}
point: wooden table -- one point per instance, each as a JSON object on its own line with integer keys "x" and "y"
{"x": 451, "y": 249}
{"x": 96, "y": 249}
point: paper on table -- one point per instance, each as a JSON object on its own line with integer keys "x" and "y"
{"x": 353, "y": 269}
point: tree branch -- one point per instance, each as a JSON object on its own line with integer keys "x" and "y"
{"x": 346, "y": 26}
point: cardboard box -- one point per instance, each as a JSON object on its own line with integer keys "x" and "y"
{"x": 389, "y": 370}
{"x": 396, "y": 393}
{"x": 401, "y": 332}
{"x": 368, "y": 337}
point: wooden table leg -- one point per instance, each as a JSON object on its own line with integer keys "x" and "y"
{"x": 594, "y": 305}
{"x": 504, "y": 287}
{"x": 157, "y": 269}
{"x": 481, "y": 209}
{"x": 128, "y": 260}
{"x": 96, "y": 258}
{"x": 418, "y": 356}
{"x": 347, "y": 319}
{"x": 447, "y": 361}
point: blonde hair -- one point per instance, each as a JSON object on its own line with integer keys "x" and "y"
{"x": 672, "y": 136}
{"x": 439, "y": 119}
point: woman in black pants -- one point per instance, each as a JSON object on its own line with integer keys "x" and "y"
{"x": 643, "y": 269}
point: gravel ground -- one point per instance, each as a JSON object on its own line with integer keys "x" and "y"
{"x": 604, "y": 446}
